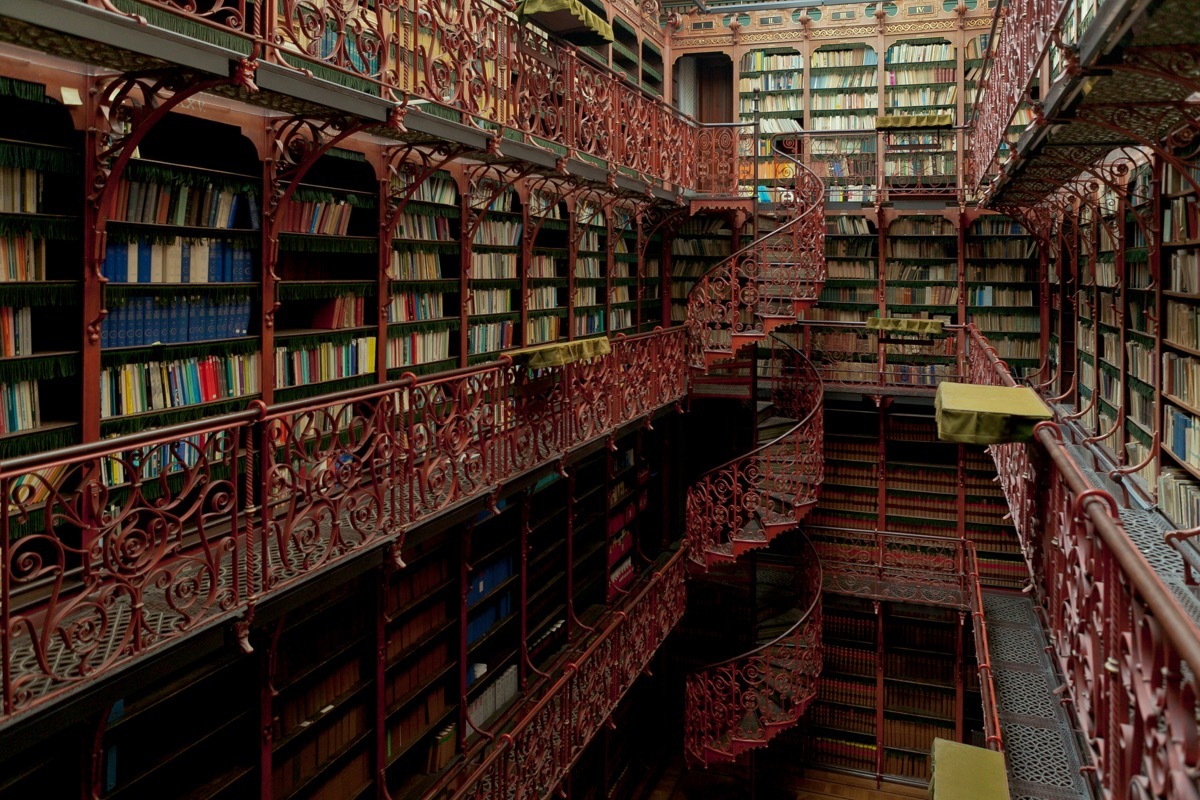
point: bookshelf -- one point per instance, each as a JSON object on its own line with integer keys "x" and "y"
{"x": 646, "y": 258}
{"x": 844, "y": 87}
{"x": 652, "y": 69}
{"x": 40, "y": 254}
{"x": 629, "y": 295}
{"x": 590, "y": 293}
{"x": 1001, "y": 279}
{"x": 921, "y": 78}
{"x": 777, "y": 75}
{"x": 922, "y": 280}
{"x": 548, "y": 267}
{"x": 490, "y": 264}
{"x": 327, "y": 325}
{"x": 700, "y": 245}
{"x": 423, "y": 276}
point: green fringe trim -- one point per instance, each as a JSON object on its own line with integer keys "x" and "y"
{"x": 1107, "y": 368}
{"x": 494, "y": 248}
{"x": 318, "y": 243}
{"x": 1107, "y": 404}
{"x": 317, "y": 389}
{"x": 348, "y": 155}
{"x": 128, "y": 233}
{"x": 182, "y": 25}
{"x": 629, "y": 258}
{"x": 20, "y": 295}
{"x": 1137, "y": 433}
{"x": 171, "y": 352}
{"x": 555, "y": 225}
{"x": 38, "y": 441}
{"x": 434, "y": 209}
{"x": 482, "y": 358}
{"x": 501, "y": 317}
{"x": 548, "y": 281}
{"x": 625, "y": 281}
{"x": 591, "y": 281}
{"x": 938, "y": 309}
{"x": 41, "y": 227}
{"x": 118, "y": 294}
{"x": 23, "y": 90}
{"x": 308, "y": 194}
{"x": 428, "y": 368}
{"x": 495, "y": 283}
{"x": 149, "y": 172}
{"x": 325, "y": 73}
{"x": 1137, "y": 255}
{"x": 426, "y": 286}
{"x": 547, "y": 312}
{"x": 397, "y": 330}
{"x": 309, "y": 341}
{"x": 424, "y": 246}
{"x": 38, "y": 368}
{"x": 43, "y": 158}
{"x": 326, "y": 291}
{"x": 552, "y": 251}
{"x": 172, "y": 416}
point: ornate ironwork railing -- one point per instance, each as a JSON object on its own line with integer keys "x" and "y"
{"x": 474, "y": 62}
{"x": 532, "y": 758}
{"x": 742, "y": 703}
{"x": 743, "y": 504}
{"x": 115, "y": 549}
{"x": 771, "y": 280}
{"x": 1129, "y": 650}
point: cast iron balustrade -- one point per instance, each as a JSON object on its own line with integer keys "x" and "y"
{"x": 474, "y": 62}
{"x": 117, "y": 549}
{"x": 1130, "y": 652}
{"x": 744, "y": 504}
{"x": 740, "y": 704}
{"x": 769, "y": 282}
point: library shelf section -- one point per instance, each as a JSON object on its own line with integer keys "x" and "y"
{"x": 700, "y": 245}
{"x": 896, "y": 677}
{"x": 184, "y": 331}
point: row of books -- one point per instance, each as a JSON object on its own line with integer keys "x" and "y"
{"x": 319, "y": 749}
{"x": 844, "y": 122}
{"x": 913, "y": 735}
{"x": 921, "y": 272}
{"x": 414, "y": 583}
{"x": 1183, "y": 324}
{"x": 999, "y": 296}
{"x": 926, "y": 700}
{"x": 491, "y": 301}
{"x": 311, "y": 701}
{"x": 489, "y": 337}
{"x": 20, "y": 190}
{"x": 160, "y": 385}
{"x": 413, "y": 265}
{"x": 908, "y": 53}
{"x": 860, "y": 629}
{"x": 586, "y": 296}
{"x": 850, "y": 57}
{"x": 850, "y": 270}
{"x": 588, "y": 322}
{"x": 1181, "y": 435}
{"x": 912, "y": 166}
{"x": 588, "y": 267}
{"x": 324, "y": 362}
{"x": 16, "y": 332}
{"x": 922, "y": 295}
{"x": 1141, "y": 363}
{"x": 489, "y": 614}
{"x": 907, "y": 98}
{"x": 1174, "y": 182}
{"x": 542, "y": 266}
{"x": 922, "y": 226}
{"x": 781, "y": 82}
{"x": 843, "y": 718}
{"x": 415, "y": 307}
{"x": 493, "y": 698}
{"x": 1006, "y": 273}
{"x": 418, "y": 671}
{"x": 322, "y": 218}
{"x": 700, "y": 247}
{"x": 1017, "y": 348}
{"x": 836, "y": 102}
{"x": 543, "y": 329}
{"x": 848, "y": 225}
{"x": 493, "y": 266}
{"x": 1001, "y": 248}
{"x": 1006, "y": 323}
{"x": 1181, "y": 378}
{"x": 20, "y": 408}
{"x": 542, "y": 298}
{"x": 439, "y": 190}
{"x": 1179, "y": 498}
{"x": 903, "y": 75}
{"x": 343, "y": 311}
{"x": 498, "y": 233}
{"x": 833, "y": 689}
{"x": 859, "y": 79}
{"x": 1181, "y": 220}
{"x": 423, "y": 226}
{"x": 1183, "y": 272}
{"x": 937, "y": 667}
{"x": 417, "y": 628}
{"x": 180, "y": 261}
{"x": 759, "y": 61}
{"x": 848, "y": 294}
{"x": 152, "y": 461}
{"x": 22, "y": 258}
{"x": 843, "y": 753}
{"x": 620, "y": 577}
{"x": 419, "y": 348}
{"x": 175, "y": 204}
{"x": 406, "y": 728}
{"x": 144, "y": 321}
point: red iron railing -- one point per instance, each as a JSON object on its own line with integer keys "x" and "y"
{"x": 475, "y": 62}
{"x": 1129, "y": 650}
{"x": 116, "y": 549}
{"x": 532, "y": 758}
{"x": 742, "y": 703}
{"x": 743, "y": 504}
{"x": 768, "y": 282}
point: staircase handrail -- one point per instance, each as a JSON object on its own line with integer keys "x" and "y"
{"x": 807, "y": 378}
{"x": 808, "y": 194}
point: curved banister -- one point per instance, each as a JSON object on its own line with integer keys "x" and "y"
{"x": 744, "y": 503}
{"x": 742, "y": 702}
{"x": 771, "y": 277}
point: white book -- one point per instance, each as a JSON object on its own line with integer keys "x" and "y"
{"x": 131, "y": 263}
{"x": 199, "y": 263}
{"x": 157, "y": 259}
{"x": 173, "y": 269}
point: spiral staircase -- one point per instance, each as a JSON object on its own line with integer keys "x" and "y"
{"x": 741, "y": 703}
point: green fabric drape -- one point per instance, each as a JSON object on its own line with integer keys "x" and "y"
{"x": 987, "y": 414}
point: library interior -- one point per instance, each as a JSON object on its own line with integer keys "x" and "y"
{"x": 600, "y": 399}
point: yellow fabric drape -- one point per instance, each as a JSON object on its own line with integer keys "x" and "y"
{"x": 556, "y": 354}
{"x": 987, "y": 414}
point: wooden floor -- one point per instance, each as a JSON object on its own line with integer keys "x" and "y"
{"x": 815, "y": 785}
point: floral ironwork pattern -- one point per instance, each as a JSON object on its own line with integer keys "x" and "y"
{"x": 740, "y": 704}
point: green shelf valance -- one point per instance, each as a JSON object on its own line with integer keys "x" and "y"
{"x": 932, "y": 327}
{"x": 569, "y": 18}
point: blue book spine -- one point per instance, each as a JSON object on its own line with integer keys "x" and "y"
{"x": 144, "y": 250}
{"x": 214, "y": 261}
{"x": 227, "y": 263}
{"x": 252, "y": 204}
{"x": 233, "y": 206}
{"x": 185, "y": 261}
{"x": 210, "y": 322}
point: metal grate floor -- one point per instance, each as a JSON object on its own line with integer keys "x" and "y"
{"x": 1040, "y": 748}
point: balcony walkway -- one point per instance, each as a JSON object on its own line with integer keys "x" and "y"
{"x": 1040, "y": 748}
{"x": 1146, "y": 529}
